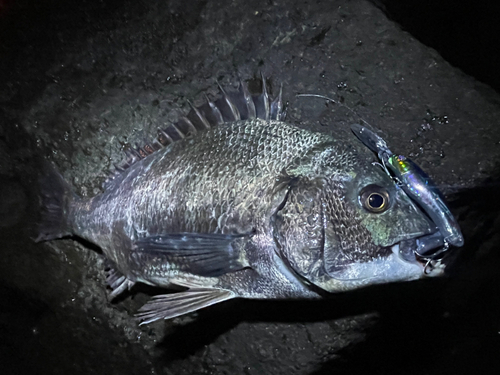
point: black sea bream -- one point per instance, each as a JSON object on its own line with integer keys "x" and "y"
{"x": 233, "y": 201}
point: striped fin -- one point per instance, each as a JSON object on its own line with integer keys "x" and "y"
{"x": 230, "y": 106}
{"x": 168, "y": 306}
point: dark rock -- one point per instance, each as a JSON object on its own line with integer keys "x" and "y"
{"x": 80, "y": 83}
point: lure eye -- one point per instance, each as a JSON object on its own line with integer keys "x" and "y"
{"x": 374, "y": 199}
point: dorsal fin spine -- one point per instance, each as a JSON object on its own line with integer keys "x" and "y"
{"x": 248, "y": 100}
{"x": 200, "y": 116}
{"x": 261, "y": 101}
{"x": 216, "y": 112}
{"x": 164, "y": 138}
{"x": 265, "y": 96}
{"x": 233, "y": 109}
{"x": 190, "y": 128}
{"x": 177, "y": 130}
{"x": 277, "y": 106}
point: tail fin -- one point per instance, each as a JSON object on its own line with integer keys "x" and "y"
{"x": 56, "y": 197}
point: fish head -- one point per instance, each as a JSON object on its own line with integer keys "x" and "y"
{"x": 353, "y": 229}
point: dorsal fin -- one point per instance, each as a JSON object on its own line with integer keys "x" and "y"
{"x": 230, "y": 106}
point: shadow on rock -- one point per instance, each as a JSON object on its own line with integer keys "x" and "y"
{"x": 187, "y": 339}
{"x": 19, "y": 316}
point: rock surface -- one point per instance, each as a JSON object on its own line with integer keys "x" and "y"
{"x": 80, "y": 85}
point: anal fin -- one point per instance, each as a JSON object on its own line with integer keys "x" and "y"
{"x": 169, "y": 306}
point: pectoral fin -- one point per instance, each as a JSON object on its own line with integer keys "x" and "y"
{"x": 207, "y": 255}
{"x": 169, "y": 306}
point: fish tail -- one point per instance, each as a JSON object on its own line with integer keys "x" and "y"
{"x": 55, "y": 197}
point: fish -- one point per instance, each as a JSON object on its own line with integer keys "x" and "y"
{"x": 233, "y": 201}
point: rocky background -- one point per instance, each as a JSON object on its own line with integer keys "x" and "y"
{"x": 80, "y": 82}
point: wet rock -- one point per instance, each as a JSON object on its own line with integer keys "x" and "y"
{"x": 83, "y": 84}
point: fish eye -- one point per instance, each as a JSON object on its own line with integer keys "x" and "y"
{"x": 374, "y": 198}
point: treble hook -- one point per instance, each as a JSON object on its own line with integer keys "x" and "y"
{"x": 427, "y": 267}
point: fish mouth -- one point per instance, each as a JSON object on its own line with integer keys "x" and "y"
{"x": 429, "y": 252}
